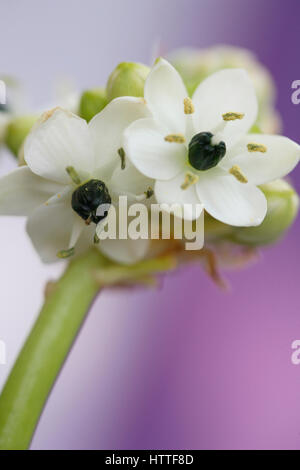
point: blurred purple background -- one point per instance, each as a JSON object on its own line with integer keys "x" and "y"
{"x": 183, "y": 366}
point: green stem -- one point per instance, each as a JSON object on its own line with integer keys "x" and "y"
{"x": 39, "y": 362}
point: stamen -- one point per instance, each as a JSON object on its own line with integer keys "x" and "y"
{"x": 177, "y": 138}
{"x": 253, "y": 147}
{"x": 73, "y": 174}
{"x": 237, "y": 173}
{"x": 63, "y": 254}
{"x": 96, "y": 239}
{"x": 121, "y": 153}
{"x": 145, "y": 195}
{"x": 149, "y": 193}
{"x": 188, "y": 106}
{"x": 189, "y": 180}
{"x": 232, "y": 116}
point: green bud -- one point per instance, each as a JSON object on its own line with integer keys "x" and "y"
{"x": 127, "y": 79}
{"x": 92, "y": 102}
{"x": 16, "y": 131}
{"x": 283, "y": 205}
{"x": 215, "y": 230}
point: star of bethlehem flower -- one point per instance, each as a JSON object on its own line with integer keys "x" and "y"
{"x": 72, "y": 168}
{"x": 199, "y": 150}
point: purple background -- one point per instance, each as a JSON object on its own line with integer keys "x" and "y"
{"x": 184, "y": 366}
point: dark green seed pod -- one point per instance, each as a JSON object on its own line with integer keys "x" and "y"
{"x": 88, "y": 197}
{"x": 203, "y": 155}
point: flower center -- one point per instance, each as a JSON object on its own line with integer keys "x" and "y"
{"x": 88, "y": 197}
{"x": 203, "y": 154}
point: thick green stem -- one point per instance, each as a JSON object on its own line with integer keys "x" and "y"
{"x": 39, "y": 362}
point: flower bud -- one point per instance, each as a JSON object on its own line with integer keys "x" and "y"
{"x": 4, "y": 120}
{"x": 127, "y": 79}
{"x": 16, "y": 131}
{"x": 283, "y": 204}
{"x": 91, "y": 103}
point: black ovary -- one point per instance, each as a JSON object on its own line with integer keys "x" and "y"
{"x": 202, "y": 154}
{"x": 88, "y": 197}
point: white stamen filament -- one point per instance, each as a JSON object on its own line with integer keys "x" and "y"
{"x": 56, "y": 198}
{"x": 227, "y": 118}
{"x": 218, "y": 133}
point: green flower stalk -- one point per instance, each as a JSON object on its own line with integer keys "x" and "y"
{"x": 127, "y": 79}
{"x": 43, "y": 354}
{"x": 92, "y": 102}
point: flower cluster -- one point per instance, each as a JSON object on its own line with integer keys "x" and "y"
{"x": 161, "y": 145}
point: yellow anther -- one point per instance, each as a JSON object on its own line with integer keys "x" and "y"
{"x": 121, "y": 153}
{"x": 73, "y": 174}
{"x": 189, "y": 180}
{"x": 177, "y": 138}
{"x": 63, "y": 254}
{"x": 188, "y": 106}
{"x": 253, "y": 147}
{"x": 232, "y": 116}
{"x": 237, "y": 173}
{"x": 149, "y": 193}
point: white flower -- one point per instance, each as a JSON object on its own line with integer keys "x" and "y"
{"x": 222, "y": 169}
{"x": 65, "y": 155}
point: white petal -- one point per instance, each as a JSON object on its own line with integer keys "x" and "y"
{"x": 281, "y": 157}
{"x": 229, "y": 90}
{"x": 107, "y": 126}
{"x": 57, "y": 141}
{"x": 124, "y": 251}
{"x": 77, "y": 229}
{"x": 228, "y": 200}
{"x": 51, "y": 229}
{"x": 170, "y": 192}
{"x": 146, "y": 147}
{"x": 128, "y": 181}
{"x": 21, "y": 191}
{"x": 164, "y": 94}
